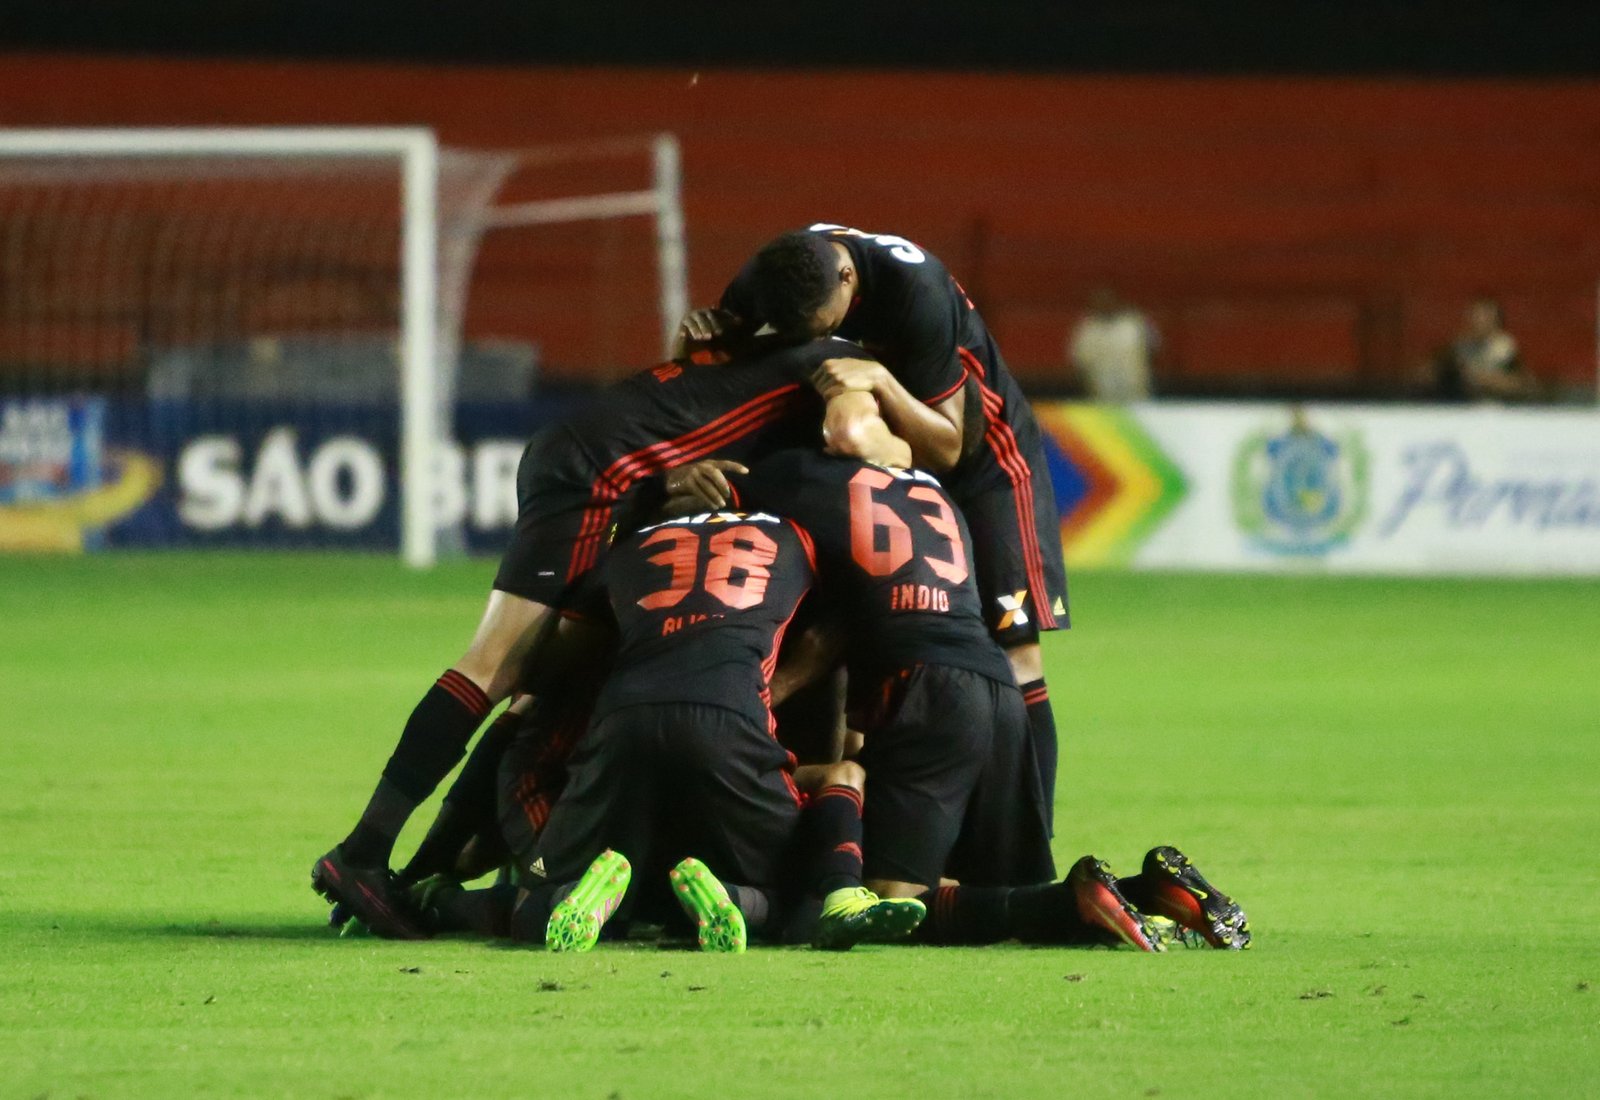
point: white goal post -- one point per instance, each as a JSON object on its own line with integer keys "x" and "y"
{"x": 436, "y": 245}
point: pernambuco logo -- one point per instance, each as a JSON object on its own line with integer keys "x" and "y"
{"x": 1300, "y": 491}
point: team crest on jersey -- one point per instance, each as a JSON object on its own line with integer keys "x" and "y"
{"x": 1012, "y": 610}
{"x": 1300, "y": 491}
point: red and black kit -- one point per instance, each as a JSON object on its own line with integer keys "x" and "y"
{"x": 579, "y": 481}
{"x": 914, "y": 317}
{"x": 929, "y": 687}
{"x": 681, "y": 758}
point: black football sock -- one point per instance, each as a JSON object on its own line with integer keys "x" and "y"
{"x": 1133, "y": 888}
{"x": 469, "y": 805}
{"x": 833, "y": 839}
{"x": 754, "y": 904}
{"x": 434, "y": 738}
{"x": 482, "y": 912}
{"x": 530, "y": 914}
{"x": 966, "y": 915}
{"x": 1047, "y": 913}
{"x": 1042, "y": 731}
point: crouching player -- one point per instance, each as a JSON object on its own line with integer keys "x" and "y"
{"x": 680, "y": 767}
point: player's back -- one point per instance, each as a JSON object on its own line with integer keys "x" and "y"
{"x": 681, "y": 411}
{"x": 893, "y": 552}
{"x": 701, "y": 604}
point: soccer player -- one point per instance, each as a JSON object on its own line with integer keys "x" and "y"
{"x": 576, "y": 483}
{"x": 929, "y": 687}
{"x": 944, "y": 387}
{"x": 680, "y": 750}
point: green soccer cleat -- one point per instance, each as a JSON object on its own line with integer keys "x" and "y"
{"x": 1170, "y": 934}
{"x": 856, "y": 915}
{"x": 575, "y": 924}
{"x": 717, "y": 919}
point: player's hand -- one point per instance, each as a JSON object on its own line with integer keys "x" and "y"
{"x": 705, "y": 325}
{"x": 837, "y": 376}
{"x": 704, "y": 482}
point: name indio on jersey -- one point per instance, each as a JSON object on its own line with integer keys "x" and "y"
{"x": 919, "y": 597}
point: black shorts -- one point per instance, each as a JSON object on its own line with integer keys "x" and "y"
{"x": 1005, "y": 837}
{"x": 663, "y": 781}
{"x": 924, "y": 752}
{"x": 533, "y": 772}
{"x": 1004, "y": 491}
{"x": 566, "y": 516}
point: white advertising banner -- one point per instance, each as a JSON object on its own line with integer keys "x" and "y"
{"x": 1370, "y": 489}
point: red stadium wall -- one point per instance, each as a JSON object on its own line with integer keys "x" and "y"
{"x": 1321, "y": 230}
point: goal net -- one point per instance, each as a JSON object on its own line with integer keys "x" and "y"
{"x": 257, "y": 338}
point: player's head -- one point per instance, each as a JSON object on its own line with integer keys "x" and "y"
{"x": 803, "y": 285}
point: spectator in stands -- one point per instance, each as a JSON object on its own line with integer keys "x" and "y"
{"x": 1113, "y": 348}
{"x": 1483, "y": 363}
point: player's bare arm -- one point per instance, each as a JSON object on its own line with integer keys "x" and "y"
{"x": 853, "y": 426}
{"x": 806, "y": 657}
{"x": 933, "y": 432}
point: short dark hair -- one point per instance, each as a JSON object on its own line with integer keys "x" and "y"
{"x": 792, "y": 278}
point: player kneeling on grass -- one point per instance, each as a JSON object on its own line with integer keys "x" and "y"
{"x": 680, "y": 767}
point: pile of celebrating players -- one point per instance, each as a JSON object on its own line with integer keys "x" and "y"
{"x": 767, "y": 634}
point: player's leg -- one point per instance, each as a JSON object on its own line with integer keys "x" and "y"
{"x": 552, "y": 538}
{"x": 356, "y": 874}
{"x": 534, "y": 773}
{"x": 1005, "y": 493}
{"x": 610, "y": 804}
{"x": 729, "y": 789}
{"x": 1005, "y": 836}
{"x": 924, "y": 756}
{"x": 841, "y": 911}
{"x": 1084, "y": 908}
{"x": 1022, "y": 585}
{"x": 469, "y": 805}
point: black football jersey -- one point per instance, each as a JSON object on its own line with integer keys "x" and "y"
{"x": 910, "y": 314}
{"x": 701, "y": 605}
{"x": 680, "y": 412}
{"x": 893, "y": 554}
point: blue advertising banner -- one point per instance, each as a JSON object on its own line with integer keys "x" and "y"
{"x": 87, "y": 472}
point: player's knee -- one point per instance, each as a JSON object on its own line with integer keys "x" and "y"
{"x": 1027, "y": 662}
{"x": 495, "y": 674}
{"x": 845, "y": 773}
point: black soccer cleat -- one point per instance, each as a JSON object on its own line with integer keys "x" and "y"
{"x": 1102, "y": 906}
{"x": 1172, "y": 887}
{"x": 367, "y": 894}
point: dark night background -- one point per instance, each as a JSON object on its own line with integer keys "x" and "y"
{"x": 1422, "y": 38}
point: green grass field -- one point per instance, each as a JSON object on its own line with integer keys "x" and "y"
{"x": 1400, "y": 780}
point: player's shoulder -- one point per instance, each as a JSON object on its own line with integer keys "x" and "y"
{"x": 787, "y": 356}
